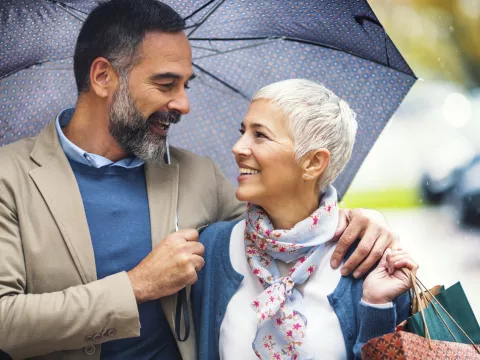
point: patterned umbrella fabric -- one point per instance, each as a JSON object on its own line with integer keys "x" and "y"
{"x": 238, "y": 47}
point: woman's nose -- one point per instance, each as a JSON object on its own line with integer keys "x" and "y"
{"x": 241, "y": 148}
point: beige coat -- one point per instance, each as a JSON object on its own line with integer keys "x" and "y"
{"x": 51, "y": 304}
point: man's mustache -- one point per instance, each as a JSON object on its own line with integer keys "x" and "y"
{"x": 171, "y": 116}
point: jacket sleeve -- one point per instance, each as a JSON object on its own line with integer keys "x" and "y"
{"x": 374, "y": 322}
{"x": 228, "y": 207}
{"x": 37, "y": 324}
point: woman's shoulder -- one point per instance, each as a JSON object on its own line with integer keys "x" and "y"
{"x": 217, "y": 231}
{"x": 216, "y": 237}
{"x": 216, "y": 240}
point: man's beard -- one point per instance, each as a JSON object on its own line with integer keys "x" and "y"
{"x": 132, "y": 131}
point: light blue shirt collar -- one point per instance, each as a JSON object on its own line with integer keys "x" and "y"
{"x": 74, "y": 153}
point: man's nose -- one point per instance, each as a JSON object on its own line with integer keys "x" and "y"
{"x": 180, "y": 103}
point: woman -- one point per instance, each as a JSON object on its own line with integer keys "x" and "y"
{"x": 267, "y": 289}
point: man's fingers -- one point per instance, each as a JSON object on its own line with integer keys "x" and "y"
{"x": 188, "y": 234}
{"x": 196, "y": 248}
{"x": 349, "y": 236}
{"x": 372, "y": 257}
{"x": 198, "y": 262}
{"x": 342, "y": 224}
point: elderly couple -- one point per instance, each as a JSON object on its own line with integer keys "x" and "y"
{"x": 90, "y": 264}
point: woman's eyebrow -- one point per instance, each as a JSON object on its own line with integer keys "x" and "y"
{"x": 257, "y": 126}
{"x": 262, "y": 126}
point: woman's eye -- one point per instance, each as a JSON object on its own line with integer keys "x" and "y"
{"x": 260, "y": 134}
{"x": 186, "y": 86}
{"x": 241, "y": 131}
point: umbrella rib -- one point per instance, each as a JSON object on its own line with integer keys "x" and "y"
{"x": 223, "y": 82}
{"x": 205, "y": 48}
{"x": 236, "y": 49}
{"x": 205, "y": 18}
{"x": 199, "y": 9}
{"x": 69, "y": 9}
{"x": 303, "y": 41}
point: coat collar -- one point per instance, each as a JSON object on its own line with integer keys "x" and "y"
{"x": 57, "y": 184}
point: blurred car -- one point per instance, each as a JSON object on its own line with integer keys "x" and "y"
{"x": 452, "y": 176}
{"x": 466, "y": 194}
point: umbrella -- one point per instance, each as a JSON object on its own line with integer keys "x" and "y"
{"x": 238, "y": 47}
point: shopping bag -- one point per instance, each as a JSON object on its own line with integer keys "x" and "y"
{"x": 433, "y": 313}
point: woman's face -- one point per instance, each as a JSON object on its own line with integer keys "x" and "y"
{"x": 264, "y": 153}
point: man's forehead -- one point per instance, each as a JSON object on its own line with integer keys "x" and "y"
{"x": 167, "y": 52}
{"x": 167, "y": 44}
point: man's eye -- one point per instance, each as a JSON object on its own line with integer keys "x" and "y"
{"x": 186, "y": 86}
{"x": 167, "y": 86}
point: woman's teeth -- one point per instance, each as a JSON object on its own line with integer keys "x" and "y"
{"x": 244, "y": 171}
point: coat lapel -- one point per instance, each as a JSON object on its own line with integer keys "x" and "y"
{"x": 162, "y": 188}
{"x": 58, "y": 186}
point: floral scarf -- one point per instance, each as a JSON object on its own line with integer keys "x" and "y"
{"x": 281, "y": 327}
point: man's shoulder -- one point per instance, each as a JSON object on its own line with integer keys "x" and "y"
{"x": 18, "y": 149}
{"x": 15, "y": 154}
{"x": 184, "y": 156}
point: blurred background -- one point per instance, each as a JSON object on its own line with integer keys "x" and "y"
{"x": 423, "y": 173}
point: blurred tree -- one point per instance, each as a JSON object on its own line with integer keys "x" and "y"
{"x": 440, "y": 39}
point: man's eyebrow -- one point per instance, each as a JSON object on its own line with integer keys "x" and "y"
{"x": 170, "y": 75}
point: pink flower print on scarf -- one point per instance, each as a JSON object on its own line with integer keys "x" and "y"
{"x": 281, "y": 327}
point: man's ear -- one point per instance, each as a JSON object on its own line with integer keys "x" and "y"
{"x": 315, "y": 163}
{"x": 103, "y": 77}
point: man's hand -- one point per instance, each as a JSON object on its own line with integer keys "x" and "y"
{"x": 376, "y": 236}
{"x": 171, "y": 266}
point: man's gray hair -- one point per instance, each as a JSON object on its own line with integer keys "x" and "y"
{"x": 316, "y": 118}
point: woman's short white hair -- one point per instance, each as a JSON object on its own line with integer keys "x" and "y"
{"x": 316, "y": 118}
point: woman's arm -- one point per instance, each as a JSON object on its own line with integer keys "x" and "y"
{"x": 385, "y": 301}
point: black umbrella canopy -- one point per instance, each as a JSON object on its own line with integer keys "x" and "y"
{"x": 238, "y": 47}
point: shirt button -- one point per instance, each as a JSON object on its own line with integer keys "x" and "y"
{"x": 88, "y": 338}
{"x": 111, "y": 332}
{"x": 89, "y": 349}
{"x": 97, "y": 337}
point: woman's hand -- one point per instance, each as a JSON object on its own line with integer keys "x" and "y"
{"x": 388, "y": 281}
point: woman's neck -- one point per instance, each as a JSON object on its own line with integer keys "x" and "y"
{"x": 286, "y": 214}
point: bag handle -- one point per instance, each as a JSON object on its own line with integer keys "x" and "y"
{"x": 422, "y": 304}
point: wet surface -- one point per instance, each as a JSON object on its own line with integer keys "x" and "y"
{"x": 446, "y": 252}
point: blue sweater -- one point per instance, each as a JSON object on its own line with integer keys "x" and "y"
{"x": 218, "y": 282}
{"x": 116, "y": 207}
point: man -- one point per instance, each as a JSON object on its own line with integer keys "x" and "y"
{"x": 88, "y": 207}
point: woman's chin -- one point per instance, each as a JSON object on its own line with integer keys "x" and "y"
{"x": 245, "y": 195}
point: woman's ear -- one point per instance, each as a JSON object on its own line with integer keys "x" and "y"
{"x": 103, "y": 78}
{"x": 315, "y": 163}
